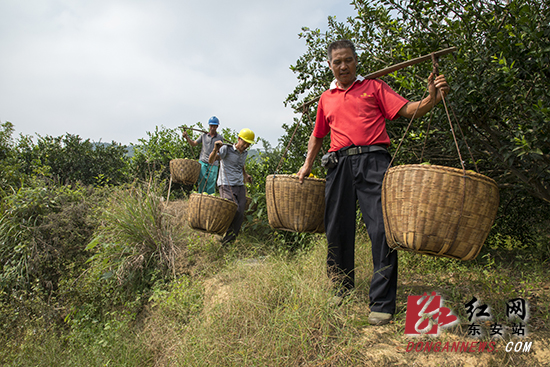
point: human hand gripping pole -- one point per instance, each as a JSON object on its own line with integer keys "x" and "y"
{"x": 184, "y": 132}
{"x": 438, "y": 87}
{"x": 247, "y": 177}
{"x": 214, "y": 154}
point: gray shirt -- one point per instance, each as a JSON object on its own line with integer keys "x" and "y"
{"x": 232, "y": 164}
{"x": 208, "y": 146}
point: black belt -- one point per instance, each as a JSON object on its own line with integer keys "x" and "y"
{"x": 361, "y": 149}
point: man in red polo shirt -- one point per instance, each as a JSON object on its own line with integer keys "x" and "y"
{"x": 354, "y": 110}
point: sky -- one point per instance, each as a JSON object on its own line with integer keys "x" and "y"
{"x": 113, "y": 70}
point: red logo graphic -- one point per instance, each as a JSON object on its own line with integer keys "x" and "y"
{"x": 425, "y": 315}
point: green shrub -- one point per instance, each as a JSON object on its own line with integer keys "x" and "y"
{"x": 133, "y": 248}
{"x": 153, "y": 154}
{"x": 71, "y": 159}
{"x": 44, "y": 230}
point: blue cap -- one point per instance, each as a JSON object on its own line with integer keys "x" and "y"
{"x": 213, "y": 121}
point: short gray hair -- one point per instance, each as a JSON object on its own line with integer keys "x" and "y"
{"x": 336, "y": 45}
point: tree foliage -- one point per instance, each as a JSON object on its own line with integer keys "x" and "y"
{"x": 11, "y": 175}
{"x": 499, "y": 78}
{"x": 155, "y": 152}
{"x": 43, "y": 231}
{"x": 69, "y": 159}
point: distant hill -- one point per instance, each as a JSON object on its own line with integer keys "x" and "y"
{"x": 129, "y": 148}
{"x": 254, "y": 154}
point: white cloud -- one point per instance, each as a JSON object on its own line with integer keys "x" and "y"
{"x": 113, "y": 70}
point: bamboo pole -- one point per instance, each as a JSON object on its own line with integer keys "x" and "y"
{"x": 192, "y": 128}
{"x": 391, "y": 69}
{"x": 197, "y": 130}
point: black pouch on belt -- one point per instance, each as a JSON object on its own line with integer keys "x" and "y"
{"x": 329, "y": 160}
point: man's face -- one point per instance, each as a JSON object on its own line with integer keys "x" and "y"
{"x": 343, "y": 66}
{"x": 213, "y": 129}
{"x": 241, "y": 145}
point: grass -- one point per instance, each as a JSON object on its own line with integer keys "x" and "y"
{"x": 272, "y": 310}
{"x": 251, "y": 304}
{"x": 260, "y": 312}
{"x": 112, "y": 344}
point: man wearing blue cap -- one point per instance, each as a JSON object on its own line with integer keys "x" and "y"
{"x": 209, "y": 172}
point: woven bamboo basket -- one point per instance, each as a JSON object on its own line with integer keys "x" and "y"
{"x": 295, "y": 207}
{"x": 210, "y": 214}
{"x": 438, "y": 210}
{"x": 185, "y": 170}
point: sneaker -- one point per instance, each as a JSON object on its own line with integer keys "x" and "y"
{"x": 379, "y": 318}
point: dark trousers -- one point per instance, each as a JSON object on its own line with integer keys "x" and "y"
{"x": 359, "y": 178}
{"x": 238, "y": 195}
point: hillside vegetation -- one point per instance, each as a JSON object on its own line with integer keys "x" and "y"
{"x": 150, "y": 291}
{"x": 98, "y": 266}
{"x": 104, "y": 274}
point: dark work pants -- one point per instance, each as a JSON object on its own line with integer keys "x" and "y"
{"x": 238, "y": 195}
{"x": 359, "y": 178}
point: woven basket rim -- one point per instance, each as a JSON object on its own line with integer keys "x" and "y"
{"x": 445, "y": 169}
{"x": 212, "y": 197}
{"x": 184, "y": 159}
{"x": 295, "y": 178}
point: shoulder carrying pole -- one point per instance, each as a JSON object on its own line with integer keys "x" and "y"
{"x": 391, "y": 69}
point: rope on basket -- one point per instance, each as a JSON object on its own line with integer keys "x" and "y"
{"x": 289, "y": 142}
{"x": 228, "y": 184}
{"x": 170, "y": 184}
{"x": 304, "y": 107}
{"x": 435, "y": 72}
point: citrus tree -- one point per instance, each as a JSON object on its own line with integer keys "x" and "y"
{"x": 499, "y": 76}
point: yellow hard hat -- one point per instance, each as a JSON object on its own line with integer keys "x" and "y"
{"x": 247, "y": 135}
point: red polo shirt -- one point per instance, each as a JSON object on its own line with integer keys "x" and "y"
{"x": 357, "y": 116}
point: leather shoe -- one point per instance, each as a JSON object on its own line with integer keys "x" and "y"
{"x": 379, "y": 318}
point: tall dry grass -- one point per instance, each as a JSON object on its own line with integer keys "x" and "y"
{"x": 136, "y": 234}
{"x": 255, "y": 312}
{"x": 277, "y": 311}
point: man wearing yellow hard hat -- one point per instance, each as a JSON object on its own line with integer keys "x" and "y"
{"x": 233, "y": 176}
